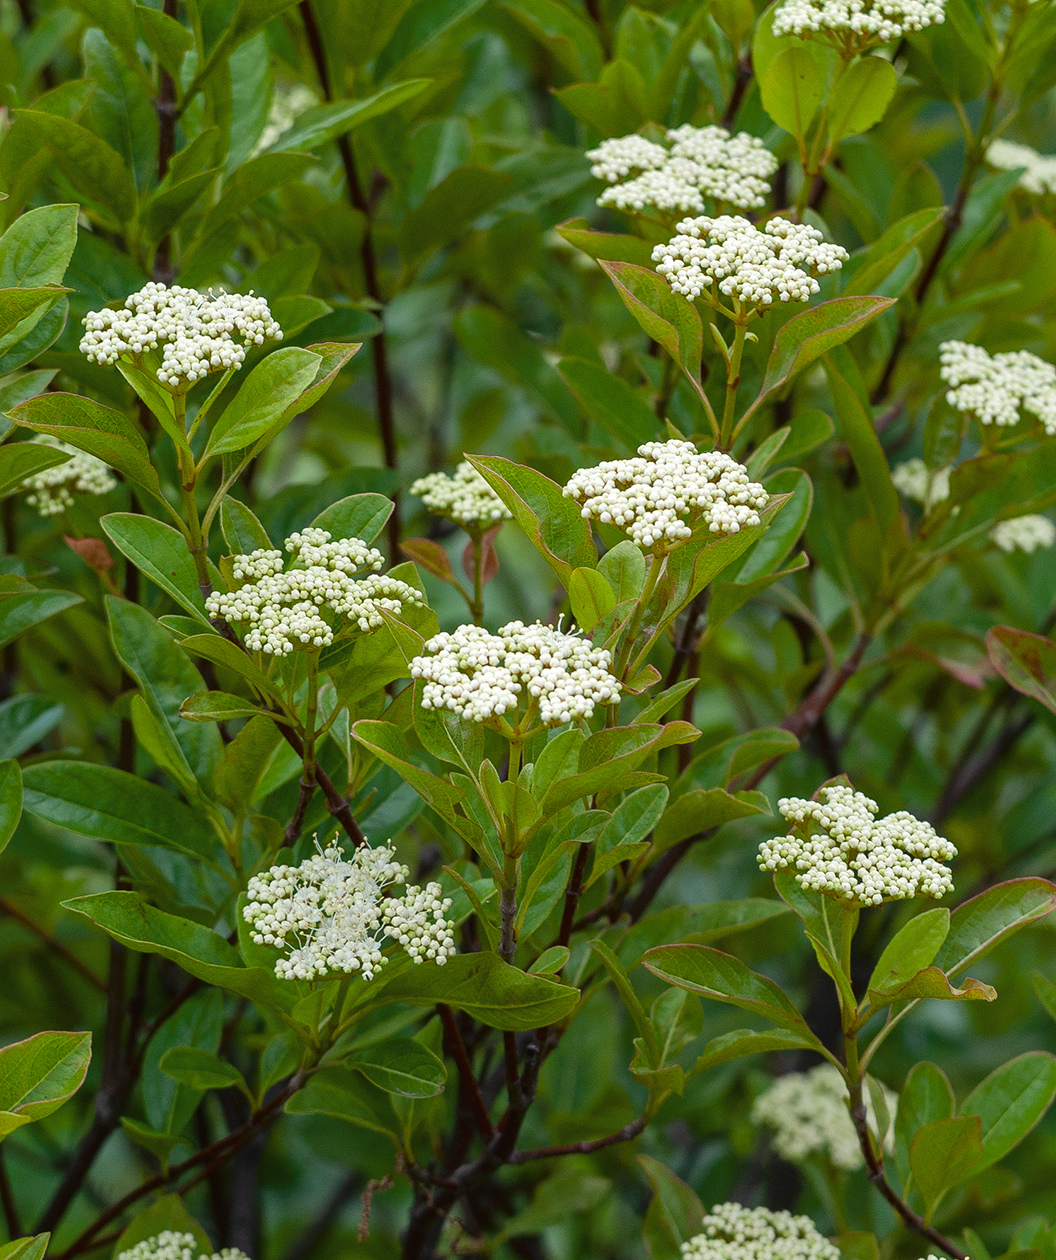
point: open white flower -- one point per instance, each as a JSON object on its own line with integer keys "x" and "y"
{"x": 857, "y": 23}
{"x": 808, "y": 1113}
{"x": 330, "y": 915}
{"x": 700, "y": 163}
{"x": 170, "y": 1245}
{"x": 1024, "y": 533}
{"x": 52, "y": 489}
{"x": 839, "y": 847}
{"x": 999, "y": 389}
{"x": 465, "y": 498}
{"x": 481, "y": 676}
{"x": 1039, "y": 175}
{"x": 668, "y": 491}
{"x": 756, "y": 267}
{"x": 732, "y": 1232}
{"x": 298, "y": 608}
{"x": 198, "y": 333}
{"x": 917, "y": 481}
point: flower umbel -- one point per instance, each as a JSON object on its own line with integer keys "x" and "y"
{"x": 733, "y": 1232}
{"x": 1040, "y": 173}
{"x": 481, "y": 676}
{"x": 170, "y": 1245}
{"x": 52, "y": 489}
{"x": 465, "y": 498}
{"x": 668, "y": 492}
{"x": 302, "y": 607}
{"x": 329, "y": 914}
{"x": 1024, "y": 533}
{"x": 198, "y": 333}
{"x": 856, "y": 24}
{"x": 808, "y": 1113}
{"x": 999, "y": 389}
{"x": 839, "y": 847}
{"x": 701, "y": 162}
{"x": 755, "y": 267}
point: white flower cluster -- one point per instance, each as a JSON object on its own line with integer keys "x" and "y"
{"x": 196, "y": 330}
{"x": 755, "y": 266}
{"x": 52, "y": 489}
{"x": 284, "y": 610}
{"x": 667, "y": 491}
{"x": 329, "y": 914}
{"x": 1024, "y": 533}
{"x": 287, "y": 105}
{"x": 733, "y": 1232}
{"x": 465, "y": 498}
{"x": 878, "y": 21}
{"x": 170, "y": 1245}
{"x": 808, "y": 1113}
{"x": 917, "y": 481}
{"x": 481, "y": 676}
{"x": 701, "y": 162}
{"x": 1040, "y": 173}
{"x": 998, "y": 388}
{"x": 840, "y": 848}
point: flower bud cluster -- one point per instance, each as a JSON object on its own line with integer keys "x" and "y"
{"x": 52, "y": 489}
{"x": 882, "y": 20}
{"x": 329, "y": 914}
{"x": 196, "y": 331}
{"x": 998, "y": 389}
{"x": 282, "y": 611}
{"x": 466, "y": 499}
{"x": 700, "y": 162}
{"x": 840, "y": 848}
{"x": 667, "y": 492}
{"x": 917, "y": 481}
{"x": 1040, "y": 173}
{"x": 733, "y": 1232}
{"x": 808, "y": 1113}
{"x": 170, "y": 1245}
{"x": 1024, "y": 533}
{"x": 755, "y": 266}
{"x": 480, "y": 676}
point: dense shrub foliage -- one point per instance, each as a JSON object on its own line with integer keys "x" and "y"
{"x": 527, "y": 724}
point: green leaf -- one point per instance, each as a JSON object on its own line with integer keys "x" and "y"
{"x": 160, "y": 552}
{"x": 338, "y": 1091}
{"x": 743, "y": 1041}
{"x": 943, "y": 1153}
{"x": 167, "y": 39}
{"x": 612, "y": 246}
{"x": 91, "y": 427}
{"x": 618, "y": 408}
{"x": 334, "y": 355}
{"x": 931, "y": 983}
{"x": 200, "y": 952}
{"x": 36, "y": 249}
{"x": 858, "y": 431}
{"x": 400, "y": 1065}
{"x": 200, "y": 1069}
{"x": 486, "y": 988}
{"x": 18, "y": 305}
{"x": 216, "y": 706}
{"x": 591, "y": 598}
{"x": 265, "y": 396}
{"x": 792, "y": 90}
{"x": 10, "y": 800}
{"x": 107, "y": 804}
{"x": 674, "y": 1215}
{"x": 1025, "y": 661}
{"x": 553, "y": 522}
{"x": 606, "y": 758}
{"x": 912, "y": 948}
{"x": 570, "y": 38}
{"x": 172, "y": 200}
{"x": 25, "y": 1248}
{"x": 666, "y": 316}
{"x": 869, "y": 269}
{"x": 448, "y": 209}
{"x": 926, "y": 1096}
{"x": 316, "y": 127}
{"x": 20, "y": 612}
{"x": 166, "y": 1213}
{"x": 90, "y": 164}
{"x": 361, "y": 516}
{"x": 251, "y": 181}
{"x": 212, "y": 647}
{"x": 700, "y": 810}
{"x": 861, "y": 97}
{"x": 550, "y": 961}
{"x": 1011, "y": 1101}
{"x": 707, "y": 971}
{"x": 808, "y": 335}
{"x": 622, "y": 983}
{"x": 624, "y": 568}
{"x": 242, "y": 531}
{"x": 39, "y": 1074}
{"x": 979, "y": 924}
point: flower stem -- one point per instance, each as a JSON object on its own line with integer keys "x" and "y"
{"x": 733, "y": 379}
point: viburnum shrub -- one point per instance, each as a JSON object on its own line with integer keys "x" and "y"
{"x": 527, "y": 716}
